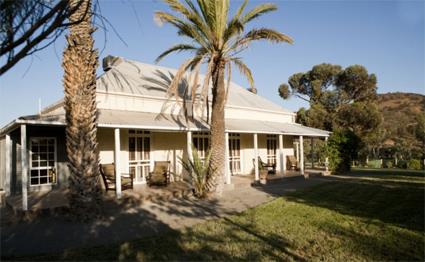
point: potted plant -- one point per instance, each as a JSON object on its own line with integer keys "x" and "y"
{"x": 264, "y": 171}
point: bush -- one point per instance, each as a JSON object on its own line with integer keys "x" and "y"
{"x": 402, "y": 164}
{"x": 342, "y": 147}
{"x": 388, "y": 163}
{"x": 374, "y": 163}
{"x": 202, "y": 180}
{"x": 414, "y": 164}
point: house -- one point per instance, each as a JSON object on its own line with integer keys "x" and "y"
{"x": 139, "y": 123}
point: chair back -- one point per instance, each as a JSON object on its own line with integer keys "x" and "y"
{"x": 108, "y": 174}
{"x": 292, "y": 161}
{"x": 160, "y": 173}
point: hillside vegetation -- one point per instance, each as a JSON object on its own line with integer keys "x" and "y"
{"x": 403, "y": 114}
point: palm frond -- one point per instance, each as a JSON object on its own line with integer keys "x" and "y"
{"x": 244, "y": 69}
{"x": 176, "y": 48}
{"x": 257, "y": 12}
{"x": 263, "y": 34}
{"x": 184, "y": 27}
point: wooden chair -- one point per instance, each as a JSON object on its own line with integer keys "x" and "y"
{"x": 270, "y": 167}
{"x": 160, "y": 176}
{"x": 108, "y": 175}
{"x": 292, "y": 162}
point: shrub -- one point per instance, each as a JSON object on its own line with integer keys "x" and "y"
{"x": 341, "y": 149}
{"x": 374, "y": 163}
{"x": 198, "y": 170}
{"x": 402, "y": 164}
{"x": 414, "y": 164}
{"x": 388, "y": 163}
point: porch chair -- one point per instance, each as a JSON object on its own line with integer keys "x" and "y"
{"x": 108, "y": 175}
{"x": 292, "y": 162}
{"x": 160, "y": 176}
{"x": 270, "y": 167}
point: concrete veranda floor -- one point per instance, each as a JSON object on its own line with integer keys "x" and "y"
{"x": 132, "y": 219}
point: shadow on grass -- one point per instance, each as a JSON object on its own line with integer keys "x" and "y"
{"x": 391, "y": 245}
{"x": 384, "y": 172}
{"x": 397, "y": 203}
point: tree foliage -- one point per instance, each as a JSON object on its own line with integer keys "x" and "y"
{"x": 342, "y": 99}
{"x": 27, "y": 26}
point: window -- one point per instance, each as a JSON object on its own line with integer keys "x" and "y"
{"x": 235, "y": 153}
{"x": 200, "y": 141}
{"x": 271, "y": 149}
{"x": 139, "y": 154}
{"x": 43, "y": 161}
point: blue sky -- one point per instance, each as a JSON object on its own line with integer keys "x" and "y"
{"x": 387, "y": 37}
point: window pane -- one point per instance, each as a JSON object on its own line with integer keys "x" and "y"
{"x": 43, "y": 163}
{"x": 132, "y": 148}
{"x": 35, "y": 164}
{"x": 34, "y": 173}
{"x": 146, "y": 148}
{"x": 51, "y": 156}
{"x": 52, "y": 163}
{"x": 34, "y": 157}
{"x": 34, "y": 181}
{"x": 43, "y": 156}
{"x": 139, "y": 148}
{"x": 43, "y": 172}
{"x": 43, "y": 180}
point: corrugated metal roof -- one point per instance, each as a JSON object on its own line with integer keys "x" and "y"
{"x": 152, "y": 121}
{"x": 137, "y": 78}
{"x": 266, "y": 127}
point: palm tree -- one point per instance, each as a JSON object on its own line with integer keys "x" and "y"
{"x": 216, "y": 41}
{"x": 80, "y": 61}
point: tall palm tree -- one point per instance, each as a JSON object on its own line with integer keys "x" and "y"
{"x": 80, "y": 61}
{"x": 217, "y": 41}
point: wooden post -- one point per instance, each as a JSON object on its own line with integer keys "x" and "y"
{"x": 257, "y": 171}
{"x": 326, "y": 158}
{"x": 281, "y": 157}
{"x": 24, "y": 167}
{"x": 226, "y": 163}
{"x": 301, "y": 155}
{"x": 8, "y": 163}
{"x": 117, "y": 162}
{"x": 189, "y": 150}
{"x": 312, "y": 152}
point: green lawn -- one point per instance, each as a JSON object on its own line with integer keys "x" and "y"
{"x": 373, "y": 215}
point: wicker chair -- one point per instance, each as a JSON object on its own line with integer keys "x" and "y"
{"x": 108, "y": 175}
{"x": 160, "y": 176}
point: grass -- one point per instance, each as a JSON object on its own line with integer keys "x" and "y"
{"x": 371, "y": 215}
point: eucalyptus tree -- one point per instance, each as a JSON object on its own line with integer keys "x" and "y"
{"x": 217, "y": 40}
{"x": 80, "y": 61}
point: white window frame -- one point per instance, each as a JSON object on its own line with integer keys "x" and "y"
{"x": 46, "y": 167}
{"x": 235, "y": 136}
{"x": 200, "y": 136}
{"x": 133, "y": 163}
{"x": 271, "y": 158}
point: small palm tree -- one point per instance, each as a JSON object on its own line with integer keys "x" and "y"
{"x": 80, "y": 63}
{"x": 199, "y": 172}
{"x": 217, "y": 41}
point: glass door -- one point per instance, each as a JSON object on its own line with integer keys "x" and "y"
{"x": 235, "y": 153}
{"x": 139, "y": 154}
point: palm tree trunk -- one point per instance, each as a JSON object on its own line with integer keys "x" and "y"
{"x": 80, "y": 61}
{"x": 218, "y": 126}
